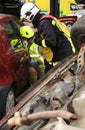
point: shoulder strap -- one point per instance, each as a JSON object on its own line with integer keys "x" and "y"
{"x": 47, "y": 16}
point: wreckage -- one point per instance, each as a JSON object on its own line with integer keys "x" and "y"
{"x": 56, "y": 101}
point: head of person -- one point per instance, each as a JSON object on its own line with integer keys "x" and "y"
{"x": 27, "y": 33}
{"x": 28, "y": 11}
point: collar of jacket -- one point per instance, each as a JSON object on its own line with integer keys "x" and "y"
{"x": 36, "y": 20}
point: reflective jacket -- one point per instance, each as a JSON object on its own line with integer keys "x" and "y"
{"x": 55, "y": 36}
{"x": 36, "y": 56}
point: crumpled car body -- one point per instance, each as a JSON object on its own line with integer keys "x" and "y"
{"x": 59, "y": 90}
{"x": 56, "y": 101}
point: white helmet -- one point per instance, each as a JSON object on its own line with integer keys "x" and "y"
{"x": 29, "y": 11}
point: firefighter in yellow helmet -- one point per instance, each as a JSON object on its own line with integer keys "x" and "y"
{"x": 36, "y": 60}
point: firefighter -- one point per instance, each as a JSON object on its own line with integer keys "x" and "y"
{"x": 52, "y": 35}
{"x": 36, "y": 60}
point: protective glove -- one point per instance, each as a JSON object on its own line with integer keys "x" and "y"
{"x": 33, "y": 63}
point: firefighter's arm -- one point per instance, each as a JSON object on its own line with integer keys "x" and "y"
{"x": 45, "y": 51}
{"x": 37, "y": 39}
{"x": 47, "y": 37}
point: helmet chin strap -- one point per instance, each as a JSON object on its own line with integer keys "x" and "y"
{"x": 25, "y": 19}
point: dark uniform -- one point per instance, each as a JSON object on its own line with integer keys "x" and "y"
{"x": 54, "y": 39}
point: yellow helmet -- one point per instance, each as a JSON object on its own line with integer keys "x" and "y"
{"x": 26, "y": 32}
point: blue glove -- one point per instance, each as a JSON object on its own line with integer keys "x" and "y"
{"x": 33, "y": 63}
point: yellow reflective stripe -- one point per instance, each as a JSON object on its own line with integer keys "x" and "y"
{"x": 53, "y": 63}
{"x": 66, "y": 33}
{"x": 34, "y": 55}
{"x": 73, "y": 48}
{"x": 43, "y": 43}
{"x": 41, "y": 58}
{"x": 42, "y": 66}
{"x": 53, "y": 22}
{"x": 19, "y": 49}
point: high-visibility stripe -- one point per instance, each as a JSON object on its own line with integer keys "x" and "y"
{"x": 64, "y": 29}
{"x": 41, "y": 66}
{"x": 34, "y": 51}
{"x": 43, "y": 43}
{"x": 19, "y": 49}
{"x": 53, "y": 63}
{"x": 34, "y": 55}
